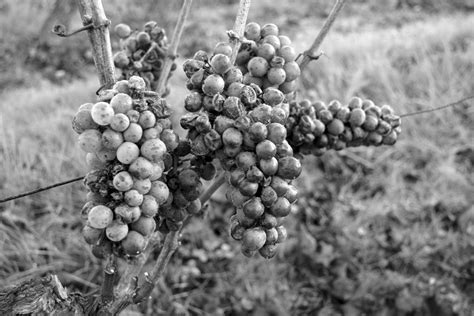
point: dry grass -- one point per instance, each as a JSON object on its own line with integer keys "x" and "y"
{"x": 416, "y": 66}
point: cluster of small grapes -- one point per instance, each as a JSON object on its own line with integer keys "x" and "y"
{"x": 217, "y": 100}
{"x": 313, "y": 128}
{"x": 267, "y": 59}
{"x": 127, "y": 141}
{"x": 222, "y": 94}
{"x": 142, "y": 53}
{"x": 238, "y": 115}
{"x": 261, "y": 187}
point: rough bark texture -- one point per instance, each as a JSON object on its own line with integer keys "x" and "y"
{"x": 44, "y": 296}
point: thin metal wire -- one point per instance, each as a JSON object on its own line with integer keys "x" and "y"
{"x": 49, "y": 187}
{"x": 437, "y": 108}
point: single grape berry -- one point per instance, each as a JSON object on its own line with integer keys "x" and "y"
{"x": 269, "y": 167}
{"x": 92, "y": 235}
{"x": 134, "y": 243}
{"x": 213, "y": 84}
{"x": 144, "y": 225}
{"x": 122, "y": 30}
{"x": 252, "y": 31}
{"x": 82, "y": 121}
{"x": 266, "y": 149}
{"x": 100, "y": 217}
{"x": 253, "y": 239}
{"x": 258, "y": 66}
{"x": 90, "y": 141}
{"x": 160, "y": 191}
{"x": 220, "y": 63}
{"x": 153, "y": 149}
{"x": 254, "y": 208}
{"x": 116, "y": 231}
{"x": 223, "y": 48}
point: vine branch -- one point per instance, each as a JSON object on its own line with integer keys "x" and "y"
{"x": 169, "y": 247}
{"x": 218, "y": 182}
{"x": 107, "y": 292}
{"x": 239, "y": 28}
{"x": 128, "y": 282}
{"x": 311, "y": 53}
{"x": 173, "y": 48}
{"x": 93, "y": 12}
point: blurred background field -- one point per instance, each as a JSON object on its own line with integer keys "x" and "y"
{"x": 376, "y": 231}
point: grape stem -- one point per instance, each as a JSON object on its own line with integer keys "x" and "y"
{"x": 173, "y": 48}
{"x": 239, "y": 28}
{"x": 107, "y": 292}
{"x": 93, "y": 12}
{"x": 312, "y": 52}
{"x": 127, "y": 286}
{"x": 218, "y": 182}
{"x": 169, "y": 247}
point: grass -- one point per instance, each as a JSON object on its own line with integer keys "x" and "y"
{"x": 372, "y": 223}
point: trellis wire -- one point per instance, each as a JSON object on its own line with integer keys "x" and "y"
{"x": 49, "y": 187}
{"x": 52, "y": 186}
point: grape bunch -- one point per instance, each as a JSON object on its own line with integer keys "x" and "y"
{"x": 314, "y": 128}
{"x": 222, "y": 93}
{"x": 238, "y": 115}
{"x": 267, "y": 59}
{"x": 128, "y": 139}
{"x": 217, "y": 100}
{"x": 142, "y": 53}
{"x": 260, "y": 183}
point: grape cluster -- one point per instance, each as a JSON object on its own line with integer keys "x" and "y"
{"x": 313, "y": 128}
{"x": 128, "y": 139}
{"x": 261, "y": 188}
{"x": 217, "y": 100}
{"x": 222, "y": 93}
{"x": 267, "y": 59}
{"x": 238, "y": 115}
{"x": 142, "y": 53}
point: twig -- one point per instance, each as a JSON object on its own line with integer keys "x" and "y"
{"x": 93, "y": 11}
{"x": 170, "y": 245}
{"x": 173, "y": 48}
{"x": 312, "y": 52}
{"x": 239, "y": 28}
{"x": 128, "y": 282}
{"x": 218, "y": 182}
{"x": 41, "y": 189}
{"x": 438, "y": 108}
{"x": 212, "y": 189}
{"x": 107, "y": 292}
{"x": 61, "y": 31}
